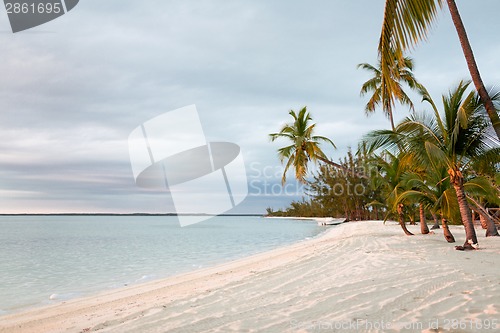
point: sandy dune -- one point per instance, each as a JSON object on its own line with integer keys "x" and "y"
{"x": 358, "y": 277}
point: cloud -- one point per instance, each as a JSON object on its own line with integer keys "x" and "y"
{"x": 72, "y": 90}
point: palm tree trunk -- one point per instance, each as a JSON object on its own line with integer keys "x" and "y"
{"x": 446, "y": 231}
{"x": 402, "y": 221}
{"x": 457, "y": 180}
{"x": 346, "y": 210}
{"x": 424, "y": 229}
{"x": 436, "y": 221}
{"x": 471, "y": 63}
{"x": 484, "y": 224}
{"x": 489, "y": 224}
{"x": 392, "y": 121}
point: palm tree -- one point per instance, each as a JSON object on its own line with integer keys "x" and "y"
{"x": 432, "y": 192}
{"x": 478, "y": 190}
{"x": 387, "y": 94}
{"x": 304, "y": 145}
{"x": 424, "y": 229}
{"x": 454, "y": 141}
{"x": 406, "y": 23}
{"x": 471, "y": 63}
{"x": 391, "y": 168}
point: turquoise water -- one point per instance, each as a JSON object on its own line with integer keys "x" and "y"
{"x": 48, "y": 259}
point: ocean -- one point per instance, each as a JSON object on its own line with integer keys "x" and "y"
{"x": 49, "y": 259}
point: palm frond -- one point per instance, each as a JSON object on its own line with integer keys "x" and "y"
{"x": 405, "y": 24}
{"x": 482, "y": 187}
{"x": 304, "y": 146}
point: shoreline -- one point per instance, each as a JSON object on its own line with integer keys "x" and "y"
{"x": 336, "y": 277}
{"x": 132, "y": 289}
{"x": 30, "y": 319}
{"x": 65, "y": 275}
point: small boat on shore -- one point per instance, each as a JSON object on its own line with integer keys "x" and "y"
{"x": 319, "y": 220}
{"x": 329, "y": 221}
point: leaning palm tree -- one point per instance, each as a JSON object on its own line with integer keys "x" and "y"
{"x": 478, "y": 191}
{"x": 304, "y": 147}
{"x": 386, "y": 93}
{"x": 407, "y": 22}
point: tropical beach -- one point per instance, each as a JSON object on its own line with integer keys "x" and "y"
{"x": 358, "y": 277}
{"x": 250, "y": 166}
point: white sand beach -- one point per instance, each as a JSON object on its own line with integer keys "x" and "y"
{"x": 357, "y": 277}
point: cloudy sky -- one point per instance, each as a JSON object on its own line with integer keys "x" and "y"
{"x": 72, "y": 90}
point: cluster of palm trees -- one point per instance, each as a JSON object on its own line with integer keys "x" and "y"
{"x": 440, "y": 164}
{"x": 462, "y": 138}
{"x": 445, "y": 163}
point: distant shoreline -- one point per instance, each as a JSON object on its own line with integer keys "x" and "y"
{"x": 122, "y": 214}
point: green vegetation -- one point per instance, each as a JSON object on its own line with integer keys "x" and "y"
{"x": 405, "y": 24}
{"x": 304, "y": 145}
{"x": 454, "y": 141}
{"x": 442, "y": 164}
{"x": 386, "y": 91}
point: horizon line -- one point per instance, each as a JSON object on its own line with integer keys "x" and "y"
{"x": 124, "y": 214}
